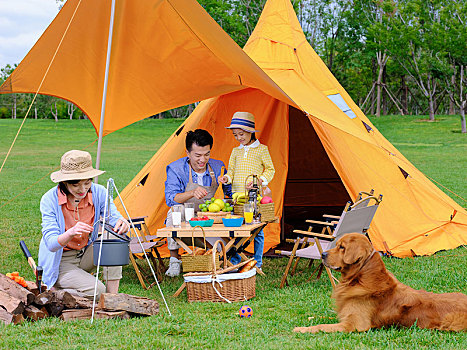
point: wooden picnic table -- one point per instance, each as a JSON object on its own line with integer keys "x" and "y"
{"x": 245, "y": 234}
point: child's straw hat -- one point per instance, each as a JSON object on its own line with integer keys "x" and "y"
{"x": 244, "y": 121}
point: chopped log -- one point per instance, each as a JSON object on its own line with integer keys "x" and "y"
{"x": 32, "y": 287}
{"x": 33, "y": 313}
{"x": 130, "y": 303}
{"x": 11, "y": 304}
{"x": 5, "y": 317}
{"x": 44, "y": 298}
{"x": 85, "y": 314}
{"x": 55, "y": 308}
{"x": 13, "y": 289}
{"x": 71, "y": 300}
{"x": 82, "y": 303}
{"x": 66, "y": 298}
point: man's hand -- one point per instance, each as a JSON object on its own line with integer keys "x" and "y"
{"x": 122, "y": 226}
{"x": 199, "y": 192}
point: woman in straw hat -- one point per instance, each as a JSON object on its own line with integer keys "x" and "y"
{"x": 70, "y": 213}
{"x": 251, "y": 157}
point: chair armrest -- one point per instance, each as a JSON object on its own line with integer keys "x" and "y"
{"x": 331, "y": 216}
{"x": 313, "y": 234}
{"x": 323, "y": 223}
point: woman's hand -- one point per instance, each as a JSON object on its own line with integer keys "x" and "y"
{"x": 78, "y": 230}
{"x": 223, "y": 179}
{"x": 122, "y": 226}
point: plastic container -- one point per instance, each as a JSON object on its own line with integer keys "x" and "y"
{"x": 232, "y": 222}
{"x": 202, "y": 223}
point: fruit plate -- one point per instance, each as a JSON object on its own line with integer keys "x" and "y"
{"x": 217, "y": 217}
{"x": 202, "y": 223}
{"x": 232, "y": 222}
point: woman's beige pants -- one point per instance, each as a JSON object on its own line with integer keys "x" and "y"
{"x": 74, "y": 273}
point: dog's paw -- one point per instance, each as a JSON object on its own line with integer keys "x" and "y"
{"x": 302, "y": 329}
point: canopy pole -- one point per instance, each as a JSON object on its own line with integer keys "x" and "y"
{"x": 104, "y": 92}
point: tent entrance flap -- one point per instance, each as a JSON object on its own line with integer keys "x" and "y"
{"x": 313, "y": 185}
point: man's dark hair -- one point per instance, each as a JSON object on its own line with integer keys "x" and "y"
{"x": 200, "y": 137}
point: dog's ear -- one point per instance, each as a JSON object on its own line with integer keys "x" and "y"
{"x": 352, "y": 254}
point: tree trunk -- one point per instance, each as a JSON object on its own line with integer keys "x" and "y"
{"x": 56, "y": 111}
{"x": 432, "y": 108}
{"x": 13, "y": 112}
{"x": 463, "y": 101}
{"x": 70, "y": 109}
{"x": 381, "y": 59}
{"x": 404, "y": 97}
{"x": 452, "y": 106}
{"x": 463, "y": 126}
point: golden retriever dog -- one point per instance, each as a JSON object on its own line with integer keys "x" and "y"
{"x": 369, "y": 296}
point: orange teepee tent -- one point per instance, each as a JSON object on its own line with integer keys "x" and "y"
{"x": 324, "y": 149}
{"x": 164, "y": 54}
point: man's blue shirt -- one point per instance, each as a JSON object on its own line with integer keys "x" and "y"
{"x": 178, "y": 173}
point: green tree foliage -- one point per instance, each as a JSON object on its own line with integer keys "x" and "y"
{"x": 392, "y": 56}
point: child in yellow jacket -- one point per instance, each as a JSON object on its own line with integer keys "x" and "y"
{"x": 251, "y": 157}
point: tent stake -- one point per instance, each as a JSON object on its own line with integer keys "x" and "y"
{"x": 104, "y": 92}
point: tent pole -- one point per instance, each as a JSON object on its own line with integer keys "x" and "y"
{"x": 104, "y": 92}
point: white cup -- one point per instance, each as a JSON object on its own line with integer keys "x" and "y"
{"x": 177, "y": 215}
{"x": 189, "y": 211}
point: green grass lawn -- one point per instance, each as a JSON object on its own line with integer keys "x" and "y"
{"x": 437, "y": 149}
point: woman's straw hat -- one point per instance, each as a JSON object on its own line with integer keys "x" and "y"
{"x": 244, "y": 121}
{"x": 75, "y": 165}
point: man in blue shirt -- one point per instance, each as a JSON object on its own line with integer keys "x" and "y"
{"x": 192, "y": 179}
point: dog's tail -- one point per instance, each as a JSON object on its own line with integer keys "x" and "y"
{"x": 455, "y": 321}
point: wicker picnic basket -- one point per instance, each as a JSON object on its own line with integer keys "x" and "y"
{"x": 219, "y": 286}
{"x": 266, "y": 210}
{"x": 200, "y": 263}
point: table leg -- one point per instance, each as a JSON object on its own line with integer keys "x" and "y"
{"x": 183, "y": 245}
{"x": 182, "y": 287}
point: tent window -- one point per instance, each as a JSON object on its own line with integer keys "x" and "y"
{"x": 367, "y": 127}
{"x": 339, "y": 102}
{"x": 143, "y": 180}
{"x": 179, "y": 131}
{"x": 405, "y": 173}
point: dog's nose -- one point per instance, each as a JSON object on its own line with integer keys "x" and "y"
{"x": 324, "y": 255}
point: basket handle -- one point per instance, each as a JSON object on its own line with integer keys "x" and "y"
{"x": 193, "y": 238}
{"x": 214, "y": 250}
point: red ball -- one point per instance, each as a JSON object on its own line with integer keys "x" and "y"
{"x": 245, "y": 311}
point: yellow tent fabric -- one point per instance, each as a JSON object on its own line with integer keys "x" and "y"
{"x": 164, "y": 54}
{"x": 322, "y": 133}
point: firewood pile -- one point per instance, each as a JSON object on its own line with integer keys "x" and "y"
{"x": 18, "y": 304}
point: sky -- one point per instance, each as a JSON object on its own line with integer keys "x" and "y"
{"x": 22, "y": 22}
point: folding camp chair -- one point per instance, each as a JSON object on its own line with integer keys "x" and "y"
{"x": 150, "y": 243}
{"x": 356, "y": 217}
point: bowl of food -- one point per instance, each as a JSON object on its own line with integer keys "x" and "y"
{"x": 202, "y": 221}
{"x": 233, "y": 221}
